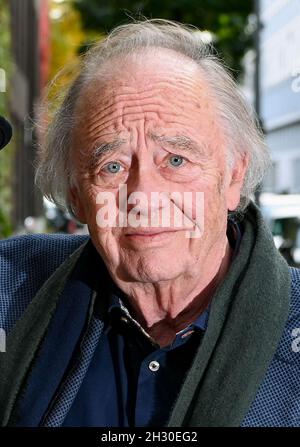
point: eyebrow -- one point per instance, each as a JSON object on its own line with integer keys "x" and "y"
{"x": 182, "y": 142}
{"x": 104, "y": 148}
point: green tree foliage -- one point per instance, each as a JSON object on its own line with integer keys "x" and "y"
{"x": 226, "y": 19}
{"x": 65, "y": 37}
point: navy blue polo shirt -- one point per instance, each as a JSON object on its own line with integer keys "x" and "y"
{"x": 132, "y": 381}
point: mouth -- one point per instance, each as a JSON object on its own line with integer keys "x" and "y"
{"x": 151, "y": 231}
{"x": 147, "y": 235}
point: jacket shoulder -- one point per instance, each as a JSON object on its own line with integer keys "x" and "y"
{"x": 276, "y": 403}
{"x": 295, "y": 291}
{"x": 26, "y": 262}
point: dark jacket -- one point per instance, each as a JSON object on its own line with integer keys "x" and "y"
{"x": 27, "y": 262}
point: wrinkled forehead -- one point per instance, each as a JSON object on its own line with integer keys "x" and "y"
{"x": 163, "y": 69}
{"x": 161, "y": 90}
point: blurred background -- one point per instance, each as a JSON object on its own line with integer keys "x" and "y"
{"x": 259, "y": 41}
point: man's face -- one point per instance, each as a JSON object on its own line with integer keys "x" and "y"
{"x": 157, "y": 129}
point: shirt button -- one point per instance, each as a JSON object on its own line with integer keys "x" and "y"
{"x": 154, "y": 366}
{"x": 124, "y": 319}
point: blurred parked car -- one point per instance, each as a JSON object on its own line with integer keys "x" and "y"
{"x": 282, "y": 213}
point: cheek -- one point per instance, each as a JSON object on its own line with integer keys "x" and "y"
{"x": 211, "y": 184}
{"x": 104, "y": 238}
{"x": 89, "y": 197}
{"x": 100, "y": 208}
{"x": 211, "y": 210}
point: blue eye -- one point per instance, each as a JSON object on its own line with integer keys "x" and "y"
{"x": 176, "y": 160}
{"x": 114, "y": 167}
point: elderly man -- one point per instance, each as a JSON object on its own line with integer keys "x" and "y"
{"x": 151, "y": 322}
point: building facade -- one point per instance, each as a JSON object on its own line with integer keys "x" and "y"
{"x": 279, "y": 85}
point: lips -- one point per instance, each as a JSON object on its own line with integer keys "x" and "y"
{"x": 139, "y": 237}
{"x": 152, "y": 232}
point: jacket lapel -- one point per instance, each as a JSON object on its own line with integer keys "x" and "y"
{"x": 56, "y": 353}
{"x": 30, "y": 357}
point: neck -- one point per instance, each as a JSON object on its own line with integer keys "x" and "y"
{"x": 166, "y": 307}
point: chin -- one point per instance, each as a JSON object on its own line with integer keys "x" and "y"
{"x": 152, "y": 268}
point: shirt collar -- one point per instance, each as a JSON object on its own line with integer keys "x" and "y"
{"x": 116, "y": 296}
{"x": 117, "y": 309}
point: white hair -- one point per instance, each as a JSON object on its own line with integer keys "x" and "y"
{"x": 238, "y": 121}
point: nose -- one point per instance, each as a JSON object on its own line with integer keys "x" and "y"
{"x": 143, "y": 184}
{"x": 143, "y": 177}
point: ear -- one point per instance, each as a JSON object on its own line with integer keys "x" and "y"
{"x": 237, "y": 175}
{"x": 77, "y": 205}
